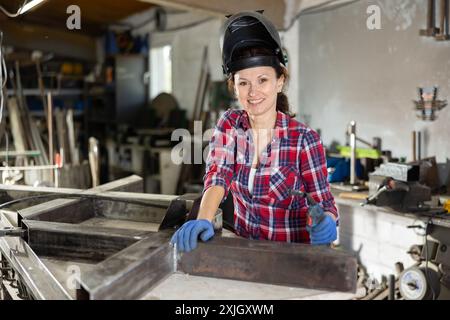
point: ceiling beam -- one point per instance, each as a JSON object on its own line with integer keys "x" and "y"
{"x": 35, "y": 37}
{"x": 274, "y": 10}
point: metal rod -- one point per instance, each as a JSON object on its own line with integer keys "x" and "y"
{"x": 430, "y": 18}
{"x": 41, "y": 85}
{"x": 391, "y": 287}
{"x": 352, "y": 132}
{"x": 431, "y": 29}
{"x": 11, "y": 232}
{"x": 26, "y": 153}
{"x": 446, "y": 17}
{"x": 443, "y": 24}
{"x": 419, "y": 145}
{"x": 44, "y": 167}
{"x": 364, "y": 141}
{"x": 50, "y": 131}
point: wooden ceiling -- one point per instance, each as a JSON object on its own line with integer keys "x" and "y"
{"x": 95, "y": 14}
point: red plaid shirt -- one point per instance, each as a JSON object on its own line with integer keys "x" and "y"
{"x": 294, "y": 159}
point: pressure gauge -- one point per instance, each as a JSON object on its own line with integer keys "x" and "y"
{"x": 415, "y": 285}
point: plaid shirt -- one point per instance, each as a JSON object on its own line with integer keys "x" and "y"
{"x": 294, "y": 159}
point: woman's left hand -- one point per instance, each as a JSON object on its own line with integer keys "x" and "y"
{"x": 325, "y": 232}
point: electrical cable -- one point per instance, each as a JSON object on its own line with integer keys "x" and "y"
{"x": 144, "y": 23}
{"x": 5, "y": 163}
{"x": 14, "y": 15}
{"x": 323, "y": 7}
{"x": 82, "y": 196}
{"x": 189, "y": 25}
{"x": 151, "y": 19}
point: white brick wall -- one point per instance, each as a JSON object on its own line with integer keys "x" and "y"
{"x": 380, "y": 238}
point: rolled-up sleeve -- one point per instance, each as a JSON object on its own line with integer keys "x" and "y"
{"x": 220, "y": 162}
{"x": 314, "y": 172}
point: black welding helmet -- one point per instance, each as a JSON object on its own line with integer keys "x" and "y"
{"x": 249, "y": 29}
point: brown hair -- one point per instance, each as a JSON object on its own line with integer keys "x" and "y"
{"x": 282, "y": 99}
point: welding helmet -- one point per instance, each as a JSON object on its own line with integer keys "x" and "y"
{"x": 250, "y": 29}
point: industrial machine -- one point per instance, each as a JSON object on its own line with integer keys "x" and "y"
{"x": 397, "y": 186}
{"x": 350, "y": 165}
{"x": 429, "y": 277}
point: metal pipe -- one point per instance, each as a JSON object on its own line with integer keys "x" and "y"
{"x": 364, "y": 141}
{"x": 43, "y": 167}
{"x": 414, "y": 151}
{"x": 443, "y": 25}
{"x": 25, "y": 153}
{"x": 430, "y": 17}
{"x": 352, "y": 132}
{"x": 419, "y": 146}
{"x": 431, "y": 29}
{"x": 50, "y": 132}
{"x": 446, "y": 6}
{"x": 391, "y": 287}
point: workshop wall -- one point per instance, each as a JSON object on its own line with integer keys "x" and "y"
{"x": 348, "y": 72}
{"x": 290, "y": 40}
{"x": 187, "y": 49}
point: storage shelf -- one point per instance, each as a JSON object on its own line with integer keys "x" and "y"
{"x": 37, "y": 92}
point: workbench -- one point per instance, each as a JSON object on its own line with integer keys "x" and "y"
{"x": 440, "y": 220}
{"x": 96, "y": 247}
{"x": 382, "y": 237}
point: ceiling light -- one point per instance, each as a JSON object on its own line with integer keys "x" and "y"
{"x": 30, "y": 5}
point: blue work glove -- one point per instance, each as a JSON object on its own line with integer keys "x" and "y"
{"x": 324, "y": 232}
{"x": 186, "y": 237}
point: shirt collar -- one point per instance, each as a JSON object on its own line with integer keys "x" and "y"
{"x": 281, "y": 124}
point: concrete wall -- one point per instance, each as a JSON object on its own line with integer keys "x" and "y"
{"x": 348, "y": 72}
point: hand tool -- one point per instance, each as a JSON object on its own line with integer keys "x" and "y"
{"x": 389, "y": 184}
{"x": 315, "y": 212}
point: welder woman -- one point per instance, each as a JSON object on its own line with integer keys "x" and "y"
{"x": 260, "y": 152}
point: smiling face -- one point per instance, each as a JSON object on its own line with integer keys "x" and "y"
{"x": 256, "y": 89}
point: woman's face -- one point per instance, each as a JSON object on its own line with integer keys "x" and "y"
{"x": 256, "y": 89}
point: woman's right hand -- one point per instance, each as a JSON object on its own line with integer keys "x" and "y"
{"x": 186, "y": 237}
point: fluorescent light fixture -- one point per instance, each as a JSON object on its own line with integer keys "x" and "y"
{"x": 30, "y": 5}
